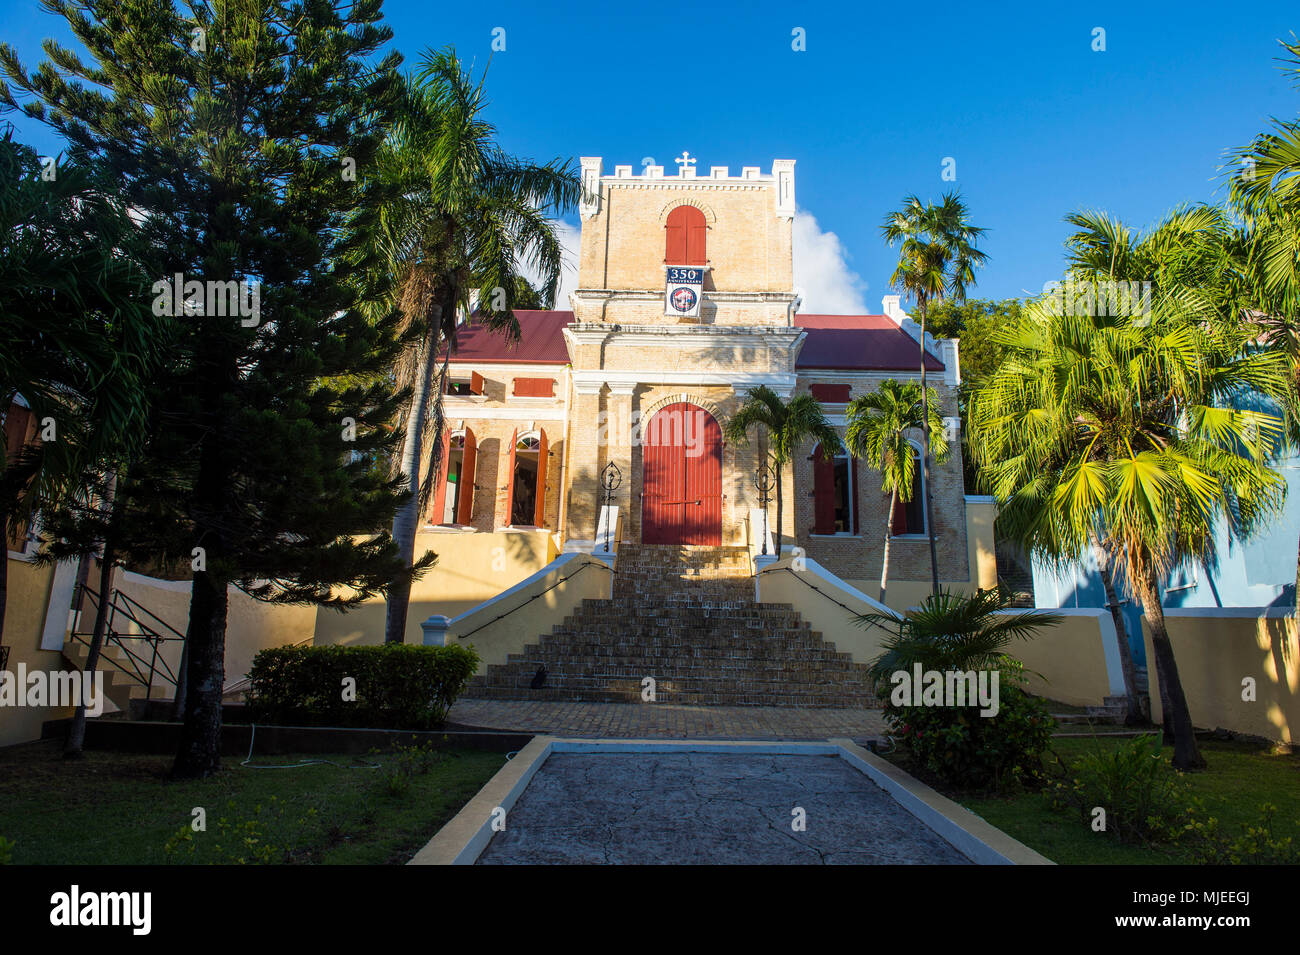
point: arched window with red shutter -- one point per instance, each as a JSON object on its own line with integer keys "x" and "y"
{"x": 687, "y": 233}
{"x": 909, "y": 516}
{"x": 834, "y": 487}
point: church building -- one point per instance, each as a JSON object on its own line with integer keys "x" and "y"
{"x": 685, "y": 300}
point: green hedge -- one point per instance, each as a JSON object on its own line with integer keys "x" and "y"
{"x": 397, "y": 686}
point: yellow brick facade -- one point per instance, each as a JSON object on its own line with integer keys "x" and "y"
{"x": 626, "y": 359}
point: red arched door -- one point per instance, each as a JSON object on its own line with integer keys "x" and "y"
{"x": 682, "y": 477}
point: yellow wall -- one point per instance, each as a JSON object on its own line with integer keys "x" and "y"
{"x": 900, "y": 594}
{"x": 28, "y": 596}
{"x": 1215, "y": 651}
{"x": 251, "y": 625}
{"x": 471, "y": 568}
{"x": 1069, "y": 660}
{"x": 562, "y": 590}
{"x": 783, "y": 584}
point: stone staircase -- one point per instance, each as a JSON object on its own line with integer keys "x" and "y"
{"x": 687, "y": 617}
{"x": 120, "y": 687}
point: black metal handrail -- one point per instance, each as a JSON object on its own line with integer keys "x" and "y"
{"x": 142, "y": 667}
{"x": 593, "y": 563}
{"x": 813, "y": 587}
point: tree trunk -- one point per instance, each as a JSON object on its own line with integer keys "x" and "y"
{"x": 182, "y": 678}
{"x": 199, "y": 754}
{"x": 77, "y": 731}
{"x": 925, "y": 461}
{"x": 889, "y": 528}
{"x": 1166, "y": 722}
{"x": 780, "y": 509}
{"x": 407, "y": 520}
{"x": 1186, "y": 754}
{"x": 1134, "y": 714}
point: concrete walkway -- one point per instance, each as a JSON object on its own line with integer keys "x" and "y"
{"x": 667, "y": 720}
{"x": 710, "y": 808}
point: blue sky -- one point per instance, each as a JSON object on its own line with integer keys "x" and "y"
{"x": 1039, "y": 124}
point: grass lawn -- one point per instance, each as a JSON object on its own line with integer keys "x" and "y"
{"x": 119, "y": 808}
{"x": 1241, "y": 777}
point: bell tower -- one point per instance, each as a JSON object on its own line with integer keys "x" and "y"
{"x": 692, "y": 248}
{"x": 685, "y": 301}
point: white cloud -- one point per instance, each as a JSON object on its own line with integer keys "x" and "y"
{"x": 821, "y": 271}
{"x": 568, "y": 236}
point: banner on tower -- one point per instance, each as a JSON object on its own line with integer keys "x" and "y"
{"x": 682, "y": 298}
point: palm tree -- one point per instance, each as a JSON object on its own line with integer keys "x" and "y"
{"x": 879, "y": 422}
{"x": 1121, "y": 430}
{"x": 952, "y": 631}
{"x": 1187, "y": 252}
{"x": 79, "y": 342}
{"x": 785, "y": 426}
{"x": 937, "y": 260}
{"x": 1265, "y": 192}
{"x": 465, "y": 218}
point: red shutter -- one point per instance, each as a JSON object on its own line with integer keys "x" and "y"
{"x": 697, "y": 233}
{"x": 899, "y": 523}
{"x": 440, "y": 488}
{"x": 465, "y": 506}
{"x": 687, "y": 236}
{"x": 539, "y": 509}
{"x": 703, "y": 459}
{"x": 823, "y": 493}
{"x": 831, "y": 394}
{"x": 475, "y": 383}
{"x": 534, "y": 387}
{"x": 510, "y": 479}
{"x": 853, "y": 494}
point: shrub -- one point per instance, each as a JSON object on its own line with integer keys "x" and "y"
{"x": 1144, "y": 799}
{"x": 396, "y": 686}
{"x": 966, "y": 632}
{"x": 407, "y": 762}
{"x": 969, "y": 751}
{"x": 1257, "y": 845}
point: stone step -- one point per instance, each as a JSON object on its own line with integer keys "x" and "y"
{"x": 687, "y": 617}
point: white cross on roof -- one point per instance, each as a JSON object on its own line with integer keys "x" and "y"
{"x": 683, "y": 161}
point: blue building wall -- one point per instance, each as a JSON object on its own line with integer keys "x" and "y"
{"x": 1258, "y": 572}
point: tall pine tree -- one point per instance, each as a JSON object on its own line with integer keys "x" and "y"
{"x": 242, "y": 132}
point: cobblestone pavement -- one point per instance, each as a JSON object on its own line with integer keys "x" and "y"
{"x": 669, "y": 720}
{"x": 710, "y": 808}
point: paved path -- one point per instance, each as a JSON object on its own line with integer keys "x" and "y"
{"x": 670, "y": 720}
{"x": 707, "y": 808}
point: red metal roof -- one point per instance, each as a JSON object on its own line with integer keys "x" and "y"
{"x": 541, "y": 341}
{"x": 838, "y": 342}
{"x": 859, "y": 343}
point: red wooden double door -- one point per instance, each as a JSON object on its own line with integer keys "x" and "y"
{"x": 681, "y": 485}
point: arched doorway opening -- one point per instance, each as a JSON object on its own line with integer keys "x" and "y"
{"x": 681, "y": 478}
{"x": 453, "y": 498}
{"x": 528, "y": 458}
